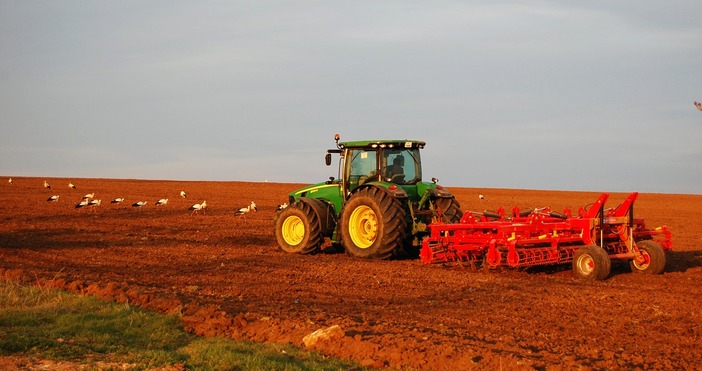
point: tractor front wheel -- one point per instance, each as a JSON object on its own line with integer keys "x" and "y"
{"x": 591, "y": 262}
{"x": 373, "y": 224}
{"x": 297, "y": 229}
{"x": 653, "y": 256}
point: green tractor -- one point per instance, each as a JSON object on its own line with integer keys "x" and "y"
{"x": 377, "y": 208}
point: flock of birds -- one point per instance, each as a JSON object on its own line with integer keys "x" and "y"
{"x": 88, "y": 201}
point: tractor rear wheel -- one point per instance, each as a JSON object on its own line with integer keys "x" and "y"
{"x": 297, "y": 229}
{"x": 654, "y": 258}
{"x": 373, "y": 224}
{"x": 450, "y": 209}
{"x": 591, "y": 262}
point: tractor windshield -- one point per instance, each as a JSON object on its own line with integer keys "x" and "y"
{"x": 401, "y": 166}
{"x": 362, "y": 168}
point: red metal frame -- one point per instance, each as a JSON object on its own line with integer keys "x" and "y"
{"x": 541, "y": 236}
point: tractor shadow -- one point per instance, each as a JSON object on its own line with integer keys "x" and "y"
{"x": 329, "y": 248}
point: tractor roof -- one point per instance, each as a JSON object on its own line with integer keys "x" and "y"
{"x": 383, "y": 143}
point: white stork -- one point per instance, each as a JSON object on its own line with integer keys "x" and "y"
{"x": 139, "y": 204}
{"x": 9, "y": 180}
{"x": 245, "y": 210}
{"x": 53, "y": 198}
{"x": 47, "y": 185}
{"x": 182, "y": 194}
{"x": 197, "y": 207}
{"x": 94, "y": 203}
{"x": 71, "y": 185}
{"x": 282, "y": 207}
{"x": 89, "y": 196}
{"x": 82, "y": 204}
{"x": 117, "y": 200}
{"x": 480, "y": 196}
{"x": 162, "y": 202}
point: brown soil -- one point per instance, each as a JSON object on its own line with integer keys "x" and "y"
{"x": 226, "y": 277}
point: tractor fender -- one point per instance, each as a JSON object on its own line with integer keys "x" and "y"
{"x": 439, "y": 193}
{"x": 396, "y": 193}
{"x": 325, "y": 214}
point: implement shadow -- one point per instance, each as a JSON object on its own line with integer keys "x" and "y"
{"x": 681, "y": 261}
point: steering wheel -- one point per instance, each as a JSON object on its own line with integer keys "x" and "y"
{"x": 398, "y": 178}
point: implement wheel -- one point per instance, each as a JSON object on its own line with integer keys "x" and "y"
{"x": 373, "y": 224}
{"x": 654, "y": 258}
{"x": 591, "y": 262}
{"x": 297, "y": 229}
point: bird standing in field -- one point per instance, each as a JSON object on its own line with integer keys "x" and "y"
{"x": 47, "y": 185}
{"x": 162, "y": 202}
{"x": 117, "y": 200}
{"x": 94, "y": 203}
{"x": 698, "y": 105}
{"x": 139, "y": 204}
{"x": 182, "y": 194}
{"x": 480, "y": 196}
{"x": 9, "y": 180}
{"x": 282, "y": 207}
{"x": 89, "y": 196}
{"x": 198, "y": 207}
{"x": 53, "y": 198}
{"x": 245, "y": 210}
{"x": 82, "y": 204}
{"x": 71, "y": 185}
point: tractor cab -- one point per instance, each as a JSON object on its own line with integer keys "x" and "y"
{"x": 385, "y": 161}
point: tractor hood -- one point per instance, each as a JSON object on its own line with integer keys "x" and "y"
{"x": 316, "y": 190}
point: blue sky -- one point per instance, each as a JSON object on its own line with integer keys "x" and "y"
{"x": 507, "y": 94}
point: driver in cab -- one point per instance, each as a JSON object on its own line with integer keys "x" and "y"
{"x": 395, "y": 173}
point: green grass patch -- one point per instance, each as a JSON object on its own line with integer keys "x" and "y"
{"x": 60, "y": 326}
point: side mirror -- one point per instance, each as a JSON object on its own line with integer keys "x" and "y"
{"x": 327, "y": 159}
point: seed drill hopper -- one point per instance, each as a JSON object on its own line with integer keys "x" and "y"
{"x": 527, "y": 238}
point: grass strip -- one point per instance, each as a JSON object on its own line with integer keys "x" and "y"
{"x": 61, "y": 326}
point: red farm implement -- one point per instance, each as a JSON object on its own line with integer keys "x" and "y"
{"x": 536, "y": 237}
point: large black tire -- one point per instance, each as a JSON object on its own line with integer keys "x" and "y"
{"x": 654, "y": 257}
{"x": 373, "y": 224}
{"x": 591, "y": 262}
{"x": 297, "y": 229}
{"x": 450, "y": 209}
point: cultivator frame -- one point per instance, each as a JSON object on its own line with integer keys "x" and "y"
{"x": 536, "y": 237}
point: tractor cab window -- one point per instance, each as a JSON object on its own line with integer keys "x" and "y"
{"x": 401, "y": 166}
{"x": 363, "y": 167}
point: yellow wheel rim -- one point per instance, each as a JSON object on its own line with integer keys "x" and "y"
{"x": 645, "y": 264}
{"x": 363, "y": 226}
{"x": 586, "y": 264}
{"x": 293, "y": 230}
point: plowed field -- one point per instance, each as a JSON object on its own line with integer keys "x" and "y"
{"x": 225, "y": 275}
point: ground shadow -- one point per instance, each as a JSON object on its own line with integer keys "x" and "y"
{"x": 681, "y": 261}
